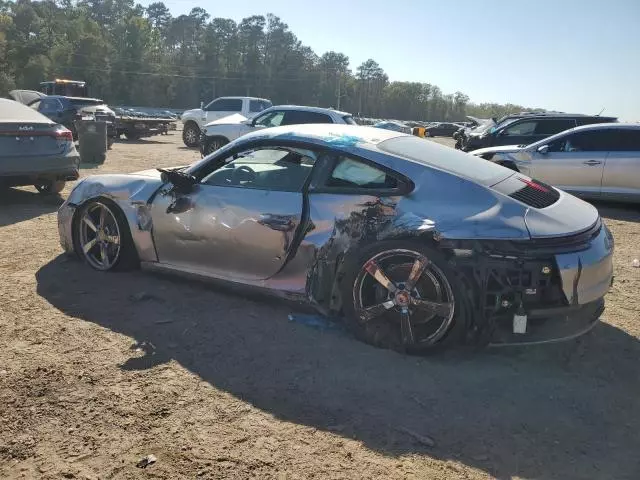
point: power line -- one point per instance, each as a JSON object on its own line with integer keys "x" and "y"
{"x": 173, "y": 75}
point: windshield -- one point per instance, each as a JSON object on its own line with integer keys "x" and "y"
{"x": 445, "y": 158}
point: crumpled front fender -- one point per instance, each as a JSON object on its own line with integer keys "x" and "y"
{"x": 130, "y": 193}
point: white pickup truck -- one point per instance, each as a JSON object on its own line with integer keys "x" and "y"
{"x": 194, "y": 120}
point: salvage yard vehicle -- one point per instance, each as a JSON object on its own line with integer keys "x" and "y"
{"x": 34, "y": 150}
{"x": 442, "y": 129}
{"x": 195, "y": 120}
{"x": 220, "y": 132}
{"x": 67, "y": 110}
{"x": 135, "y": 125}
{"x": 600, "y": 161}
{"x": 394, "y": 126}
{"x": 414, "y": 244}
{"x": 528, "y": 128}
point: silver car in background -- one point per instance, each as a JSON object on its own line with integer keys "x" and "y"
{"x": 600, "y": 161}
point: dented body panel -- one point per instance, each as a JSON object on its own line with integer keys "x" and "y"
{"x": 296, "y": 244}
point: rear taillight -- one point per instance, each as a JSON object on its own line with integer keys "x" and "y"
{"x": 64, "y": 134}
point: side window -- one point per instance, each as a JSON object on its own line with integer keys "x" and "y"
{"x": 294, "y": 117}
{"x": 628, "y": 140}
{"x": 257, "y": 106}
{"x": 350, "y": 173}
{"x": 276, "y": 169}
{"x": 591, "y": 141}
{"x": 551, "y": 127}
{"x": 270, "y": 119}
{"x": 522, "y": 128}
{"x": 225, "y": 105}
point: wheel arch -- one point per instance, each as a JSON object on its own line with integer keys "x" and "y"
{"x": 141, "y": 237}
{"x": 351, "y": 257}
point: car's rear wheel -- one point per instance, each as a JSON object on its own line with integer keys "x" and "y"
{"x": 102, "y": 237}
{"x": 214, "y": 144}
{"x": 132, "y": 136}
{"x": 191, "y": 135}
{"x": 50, "y": 187}
{"x": 403, "y": 296}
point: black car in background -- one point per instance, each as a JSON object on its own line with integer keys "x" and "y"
{"x": 525, "y": 129}
{"x": 66, "y": 110}
{"x": 442, "y": 129}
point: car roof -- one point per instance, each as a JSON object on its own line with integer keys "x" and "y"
{"x": 242, "y": 98}
{"x": 305, "y": 108}
{"x": 393, "y": 122}
{"x": 528, "y": 116}
{"x": 585, "y": 128}
{"x": 12, "y": 111}
{"x": 75, "y": 98}
{"x": 326, "y": 134}
{"x": 600, "y": 126}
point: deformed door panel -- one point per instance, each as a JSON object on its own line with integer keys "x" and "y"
{"x": 232, "y": 233}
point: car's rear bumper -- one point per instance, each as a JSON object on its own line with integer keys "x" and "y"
{"x": 585, "y": 278}
{"x": 549, "y": 326}
{"x": 27, "y": 170}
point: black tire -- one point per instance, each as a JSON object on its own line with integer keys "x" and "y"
{"x": 191, "y": 134}
{"x": 430, "y": 331}
{"x": 50, "y": 187}
{"x": 212, "y": 144}
{"x": 132, "y": 136}
{"x": 127, "y": 257}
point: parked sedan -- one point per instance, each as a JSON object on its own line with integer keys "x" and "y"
{"x": 442, "y": 129}
{"x": 220, "y": 132}
{"x": 600, "y": 161}
{"x": 394, "y": 126}
{"x": 414, "y": 244}
{"x": 34, "y": 150}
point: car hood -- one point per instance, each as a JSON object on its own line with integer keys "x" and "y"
{"x": 500, "y": 149}
{"x": 234, "y": 119}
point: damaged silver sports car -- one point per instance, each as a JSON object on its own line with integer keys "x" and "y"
{"x": 413, "y": 244}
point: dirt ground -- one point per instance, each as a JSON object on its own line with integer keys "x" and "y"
{"x": 99, "y": 370}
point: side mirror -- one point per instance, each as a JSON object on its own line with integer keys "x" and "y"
{"x": 543, "y": 150}
{"x": 502, "y": 133}
{"x": 182, "y": 182}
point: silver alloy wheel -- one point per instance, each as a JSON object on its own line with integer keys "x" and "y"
{"x": 191, "y": 135}
{"x": 405, "y": 288}
{"x": 99, "y": 236}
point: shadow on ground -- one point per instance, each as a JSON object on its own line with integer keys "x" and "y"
{"x": 18, "y": 205}
{"x": 619, "y": 211}
{"x": 564, "y": 411}
{"x": 142, "y": 141}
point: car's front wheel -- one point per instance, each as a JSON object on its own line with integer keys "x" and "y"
{"x": 191, "y": 134}
{"x": 403, "y": 296}
{"x": 102, "y": 237}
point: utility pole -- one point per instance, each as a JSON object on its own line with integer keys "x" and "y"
{"x": 338, "y": 101}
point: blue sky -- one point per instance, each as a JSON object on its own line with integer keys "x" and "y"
{"x": 569, "y": 55}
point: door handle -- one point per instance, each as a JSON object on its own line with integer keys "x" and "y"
{"x": 592, "y": 162}
{"x": 281, "y": 223}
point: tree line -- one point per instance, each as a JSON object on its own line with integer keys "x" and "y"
{"x": 131, "y": 55}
